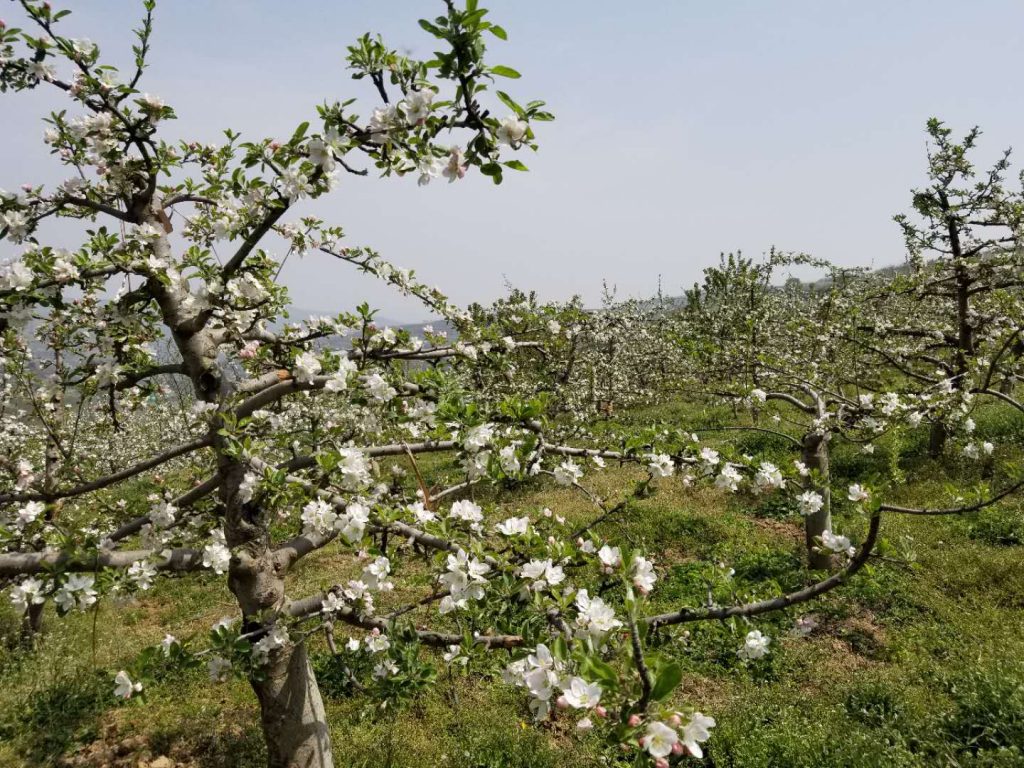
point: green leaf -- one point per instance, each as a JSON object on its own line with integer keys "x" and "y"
{"x": 436, "y": 32}
{"x": 299, "y": 133}
{"x": 596, "y": 669}
{"x": 515, "y": 165}
{"x": 499, "y": 32}
{"x": 510, "y": 103}
{"x": 472, "y": 20}
{"x": 503, "y": 71}
{"x": 668, "y": 678}
{"x": 559, "y": 648}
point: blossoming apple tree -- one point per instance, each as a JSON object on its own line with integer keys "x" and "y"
{"x": 797, "y": 354}
{"x": 585, "y": 362}
{"x": 781, "y": 352}
{"x": 951, "y": 321}
{"x": 254, "y": 445}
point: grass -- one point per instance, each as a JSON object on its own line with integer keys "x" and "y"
{"x": 918, "y": 662}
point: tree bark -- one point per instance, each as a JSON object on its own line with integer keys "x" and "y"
{"x": 814, "y": 454}
{"x": 937, "y": 439}
{"x": 291, "y": 708}
{"x": 292, "y": 712}
{"x": 31, "y": 625}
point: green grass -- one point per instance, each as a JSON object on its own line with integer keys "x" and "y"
{"x": 918, "y": 662}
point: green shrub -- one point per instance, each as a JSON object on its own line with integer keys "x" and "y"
{"x": 1000, "y": 527}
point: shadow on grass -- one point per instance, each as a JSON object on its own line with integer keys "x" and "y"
{"x": 51, "y": 721}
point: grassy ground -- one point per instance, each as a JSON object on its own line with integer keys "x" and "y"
{"x": 918, "y": 662}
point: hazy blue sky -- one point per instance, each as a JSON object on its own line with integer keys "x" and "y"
{"x": 683, "y": 128}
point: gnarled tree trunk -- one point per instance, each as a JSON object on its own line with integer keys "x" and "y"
{"x": 291, "y": 709}
{"x": 292, "y": 712}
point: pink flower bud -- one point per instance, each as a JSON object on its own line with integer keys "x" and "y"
{"x": 562, "y": 703}
{"x": 641, "y": 741}
{"x": 661, "y": 762}
{"x": 634, "y": 721}
{"x": 600, "y": 711}
{"x": 678, "y": 748}
{"x": 675, "y": 721}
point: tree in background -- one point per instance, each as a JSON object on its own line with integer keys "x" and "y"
{"x": 953, "y": 319}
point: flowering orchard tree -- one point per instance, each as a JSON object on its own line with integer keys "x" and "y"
{"x": 782, "y": 352}
{"x": 253, "y": 446}
{"x": 584, "y": 362}
{"x": 796, "y": 354}
{"x": 953, "y": 320}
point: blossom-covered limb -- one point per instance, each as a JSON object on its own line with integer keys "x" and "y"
{"x": 112, "y": 479}
{"x": 687, "y": 615}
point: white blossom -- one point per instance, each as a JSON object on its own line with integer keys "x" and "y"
{"x": 568, "y": 472}
{"x": 580, "y": 694}
{"x": 660, "y": 465}
{"x": 542, "y": 573}
{"x": 610, "y": 557}
{"x": 511, "y": 130}
{"x": 124, "y": 688}
{"x": 514, "y": 526}
{"x": 28, "y": 592}
{"x": 643, "y": 574}
{"x": 695, "y": 731}
{"x": 659, "y": 739}
{"x": 857, "y": 493}
{"x": 755, "y": 646}
{"x": 810, "y": 502}
{"x": 306, "y": 367}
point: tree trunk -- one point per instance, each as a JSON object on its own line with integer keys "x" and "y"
{"x": 937, "y": 439}
{"x": 31, "y": 625}
{"x": 291, "y": 709}
{"x": 815, "y": 456}
{"x": 292, "y": 712}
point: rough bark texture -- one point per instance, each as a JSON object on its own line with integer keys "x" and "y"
{"x": 292, "y": 712}
{"x": 291, "y": 709}
{"x": 815, "y": 456}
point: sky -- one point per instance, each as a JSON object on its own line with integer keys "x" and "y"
{"x": 683, "y": 129}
